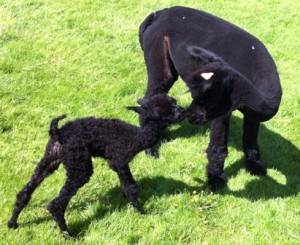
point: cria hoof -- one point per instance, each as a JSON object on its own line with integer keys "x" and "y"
{"x": 12, "y": 225}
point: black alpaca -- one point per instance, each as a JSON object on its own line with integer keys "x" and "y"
{"x": 185, "y": 42}
{"x": 76, "y": 142}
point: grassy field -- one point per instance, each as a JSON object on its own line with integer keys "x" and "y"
{"x": 82, "y": 58}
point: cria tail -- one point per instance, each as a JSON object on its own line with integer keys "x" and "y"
{"x": 54, "y": 131}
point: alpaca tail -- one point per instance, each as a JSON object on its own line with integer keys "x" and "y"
{"x": 54, "y": 131}
{"x": 145, "y": 24}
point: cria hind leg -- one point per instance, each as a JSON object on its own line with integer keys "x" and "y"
{"x": 253, "y": 161}
{"x": 128, "y": 184}
{"x": 45, "y": 168}
{"x": 79, "y": 170}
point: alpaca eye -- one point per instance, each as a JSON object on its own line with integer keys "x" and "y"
{"x": 206, "y": 86}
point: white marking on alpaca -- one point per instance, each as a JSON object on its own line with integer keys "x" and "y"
{"x": 207, "y": 75}
{"x": 253, "y": 48}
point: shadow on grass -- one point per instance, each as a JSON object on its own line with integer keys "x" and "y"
{"x": 37, "y": 221}
{"x": 277, "y": 153}
{"x": 113, "y": 200}
{"x": 187, "y": 130}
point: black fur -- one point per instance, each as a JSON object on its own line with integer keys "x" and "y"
{"x": 185, "y": 42}
{"x": 75, "y": 143}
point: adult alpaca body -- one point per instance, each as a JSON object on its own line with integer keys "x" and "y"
{"x": 185, "y": 42}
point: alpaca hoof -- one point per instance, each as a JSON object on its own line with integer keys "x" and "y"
{"x": 139, "y": 209}
{"x": 152, "y": 153}
{"x": 217, "y": 181}
{"x": 67, "y": 234}
{"x": 12, "y": 225}
{"x": 256, "y": 168}
{"x": 51, "y": 210}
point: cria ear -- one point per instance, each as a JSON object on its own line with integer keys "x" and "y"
{"x": 137, "y": 109}
{"x": 142, "y": 102}
{"x": 154, "y": 114}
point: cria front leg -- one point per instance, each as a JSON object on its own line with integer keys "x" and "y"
{"x": 129, "y": 186}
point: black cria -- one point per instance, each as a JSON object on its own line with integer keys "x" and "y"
{"x": 76, "y": 142}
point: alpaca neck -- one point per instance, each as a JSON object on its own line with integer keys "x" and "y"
{"x": 150, "y": 134}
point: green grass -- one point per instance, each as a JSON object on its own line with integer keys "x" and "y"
{"x": 83, "y": 58}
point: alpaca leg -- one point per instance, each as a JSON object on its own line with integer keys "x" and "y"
{"x": 79, "y": 170}
{"x": 251, "y": 149}
{"x": 217, "y": 151}
{"x": 161, "y": 75}
{"x": 129, "y": 186}
{"x": 45, "y": 168}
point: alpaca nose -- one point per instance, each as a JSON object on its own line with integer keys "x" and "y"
{"x": 189, "y": 112}
{"x": 197, "y": 117}
{"x": 180, "y": 113}
{"x": 181, "y": 110}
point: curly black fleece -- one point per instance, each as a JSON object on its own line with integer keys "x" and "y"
{"x": 75, "y": 143}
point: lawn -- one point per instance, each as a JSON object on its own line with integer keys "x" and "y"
{"x": 83, "y": 58}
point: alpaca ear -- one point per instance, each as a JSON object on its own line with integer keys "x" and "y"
{"x": 233, "y": 81}
{"x": 137, "y": 109}
{"x": 203, "y": 55}
{"x": 209, "y": 61}
{"x": 155, "y": 114}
